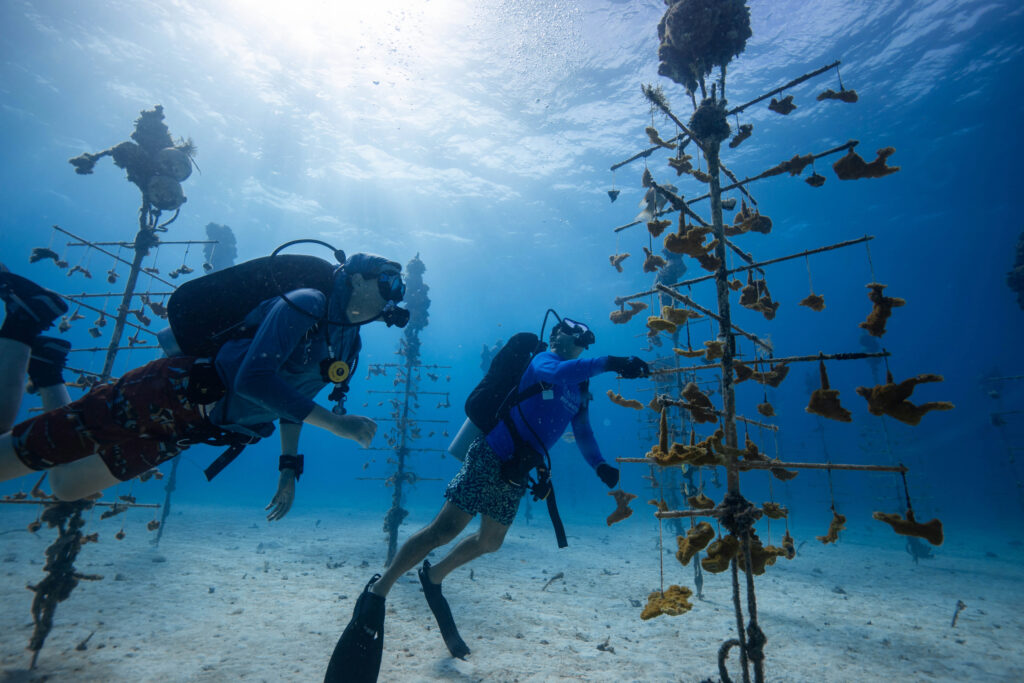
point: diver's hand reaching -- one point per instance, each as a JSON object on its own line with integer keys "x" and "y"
{"x": 608, "y": 474}
{"x": 630, "y": 368}
{"x": 356, "y": 427}
{"x": 285, "y": 496}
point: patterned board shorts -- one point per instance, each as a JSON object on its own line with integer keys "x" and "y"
{"x": 133, "y": 424}
{"x": 478, "y": 488}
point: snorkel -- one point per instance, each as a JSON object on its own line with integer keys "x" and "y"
{"x": 582, "y": 334}
{"x": 544, "y": 325}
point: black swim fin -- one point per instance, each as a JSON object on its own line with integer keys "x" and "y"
{"x": 357, "y": 655}
{"x": 443, "y": 613}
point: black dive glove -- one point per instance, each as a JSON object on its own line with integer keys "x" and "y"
{"x": 630, "y": 368}
{"x": 608, "y": 474}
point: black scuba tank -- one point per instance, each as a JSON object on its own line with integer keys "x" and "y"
{"x": 205, "y": 312}
{"x": 493, "y": 395}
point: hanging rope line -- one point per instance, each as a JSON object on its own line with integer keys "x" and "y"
{"x": 871, "y": 266}
{"x": 86, "y": 243}
{"x": 694, "y": 305}
{"x": 739, "y": 184}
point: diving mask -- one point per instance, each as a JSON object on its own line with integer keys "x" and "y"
{"x": 581, "y": 334}
{"x": 391, "y": 286}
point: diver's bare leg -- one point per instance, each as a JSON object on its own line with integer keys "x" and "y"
{"x": 28, "y": 310}
{"x": 450, "y": 521}
{"x": 54, "y": 397}
{"x": 13, "y": 370}
{"x": 11, "y": 465}
{"x": 487, "y": 540}
{"x": 81, "y": 478}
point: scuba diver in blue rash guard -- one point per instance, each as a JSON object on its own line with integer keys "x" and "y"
{"x": 284, "y": 352}
{"x": 539, "y": 420}
{"x": 552, "y": 393}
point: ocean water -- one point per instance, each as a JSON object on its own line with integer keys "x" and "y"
{"x": 479, "y": 136}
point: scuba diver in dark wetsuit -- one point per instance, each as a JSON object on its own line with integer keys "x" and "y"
{"x": 120, "y": 430}
{"x": 493, "y": 479}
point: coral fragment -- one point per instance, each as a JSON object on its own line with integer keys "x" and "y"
{"x": 930, "y": 531}
{"x": 815, "y": 180}
{"x": 720, "y": 553}
{"x": 656, "y": 227}
{"x": 624, "y": 402}
{"x": 853, "y": 167}
{"x": 825, "y": 401}
{"x": 622, "y": 316}
{"x": 617, "y": 259}
{"x": 784, "y": 106}
{"x": 881, "y": 309}
{"x": 673, "y": 602}
{"x": 622, "y": 509}
{"x": 815, "y": 302}
{"x": 844, "y": 95}
{"x": 745, "y": 131}
{"x": 891, "y": 399}
{"x": 655, "y": 138}
{"x": 700, "y": 502}
{"x": 700, "y": 406}
{"x": 652, "y": 262}
{"x": 837, "y": 524}
{"x": 696, "y": 539}
{"x": 656, "y": 324}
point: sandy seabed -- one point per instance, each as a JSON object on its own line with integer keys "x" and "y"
{"x": 228, "y": 597}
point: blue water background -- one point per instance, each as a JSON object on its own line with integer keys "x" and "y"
{"x": 479, "y": 136}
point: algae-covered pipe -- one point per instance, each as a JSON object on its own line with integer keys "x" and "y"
{"x": 145, "y": 239}
{"x": 711, "y": 150}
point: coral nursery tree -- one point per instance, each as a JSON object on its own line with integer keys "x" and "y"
{"x": 157, "y": 165}
{"x": 698, "y": 40}
{"x": 404, "y": 401}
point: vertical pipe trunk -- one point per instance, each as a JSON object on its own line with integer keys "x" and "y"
{"x": 711, "y": 150}
{"x": 143, "y": 240}
{"x": 172, "y": 485}
{"x": 402, "y": 451}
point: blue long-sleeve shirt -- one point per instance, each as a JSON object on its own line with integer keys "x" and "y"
{"x": 276, "y": 373}
{"x": 548, "y": 417}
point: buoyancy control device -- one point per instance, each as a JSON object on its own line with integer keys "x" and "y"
{"x": 208, "y": 311}
{"x": 492, "y": 401}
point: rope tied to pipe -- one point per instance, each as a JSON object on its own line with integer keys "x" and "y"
{"x": 738, "y": 514}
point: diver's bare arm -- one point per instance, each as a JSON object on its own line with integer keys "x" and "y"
{"x": 290, "y": 432}
{"x": 283, "y": 499}
{"x": 355, "y": 427}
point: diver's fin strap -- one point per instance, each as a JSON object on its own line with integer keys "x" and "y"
{"x": 442, "y": 613}
{"x": 223, "y": 460}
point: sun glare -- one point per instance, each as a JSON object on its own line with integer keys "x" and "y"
{"x": 310, "y": 26}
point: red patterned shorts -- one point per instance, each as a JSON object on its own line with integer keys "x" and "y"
{"x": 134, "y": 424}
